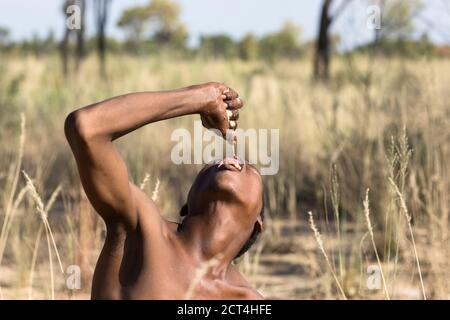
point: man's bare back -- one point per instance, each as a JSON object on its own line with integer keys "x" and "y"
{"x": 145, "y": 256}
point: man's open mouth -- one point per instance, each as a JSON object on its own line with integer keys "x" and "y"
{"x": 231, "y": 162}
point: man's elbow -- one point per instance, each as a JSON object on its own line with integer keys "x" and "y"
{"x": 77, "y": 127}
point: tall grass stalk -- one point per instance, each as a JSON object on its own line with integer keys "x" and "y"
{"x": 411, "y": 233}
{"x": 41, "y": 209}
{"x": 144, "y": 181}
{"x": 318, "y": 238}
{"x": 12, "y": 205}
{"x": 155, "y": 194}
{"x": 48, "y": 207}
{"x": 334, "y": 194}
{"x": 33, "y": 261}
{"x": 369, "y": 226}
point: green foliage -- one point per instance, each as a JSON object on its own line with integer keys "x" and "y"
{"x": 281, "y": 44}
{"x": 165, "y": 13}
{"x": 38, "y": 45}
{"x": 10, "y": 86}
{"x": 133, "y": 20}
{"x": 220, "y": 45}
{"x": 284, "y": 43}
{"x": 397, "y": 19}
{"x": 158, "y": 21}
{"x": 4, "y": 36}
{"x": 404, "y": 48}
{"x": 168, "y": 30}
{"x": 248, "y": 47}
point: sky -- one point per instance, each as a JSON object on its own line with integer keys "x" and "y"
{"x": 24, "y": 18}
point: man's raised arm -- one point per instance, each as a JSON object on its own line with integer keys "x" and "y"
{"x": 91, "y": 130}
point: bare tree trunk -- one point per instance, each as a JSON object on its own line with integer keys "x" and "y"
{"x": 64, "y": 49}
{"x": 101, "y": 13}
{"x": 322, "y": 55}
{"x": 64, "y": 46}
{"x": 381, "y": 4}
{"x": 80, "y": 35}
{"x": 323, "y": 46}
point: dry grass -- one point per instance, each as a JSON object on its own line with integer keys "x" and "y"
{"x": 372, "y": 238}
{"x": 318, "y": 237}
{"x": 381, "y": 126}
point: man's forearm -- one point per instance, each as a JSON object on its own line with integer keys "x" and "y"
{"x": 117, "y": 116}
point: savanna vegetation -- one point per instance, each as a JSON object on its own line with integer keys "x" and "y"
{"x": 359, "y": 208}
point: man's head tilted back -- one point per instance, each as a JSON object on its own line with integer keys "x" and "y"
{"x": 227, "y": 196}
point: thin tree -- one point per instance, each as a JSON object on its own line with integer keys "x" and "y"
{"x": 81, "y": 35}
{"x": 381, "y": 4}
{"x": 101, "y": 8}
{"x": 323, "y": 47}
{"x": 70, "y": 34}
{"x": 64, "y": 47}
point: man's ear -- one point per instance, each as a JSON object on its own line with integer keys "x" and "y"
{"x": 184, "y": 210}
{"x": 259, "y": 225}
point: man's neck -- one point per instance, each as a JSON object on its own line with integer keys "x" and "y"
{"x": 212, "y": 239}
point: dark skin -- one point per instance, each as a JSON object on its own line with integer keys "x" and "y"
{"x": 144, "y": 255}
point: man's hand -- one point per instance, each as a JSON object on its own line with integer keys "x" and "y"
{"x": 220, "y": 108}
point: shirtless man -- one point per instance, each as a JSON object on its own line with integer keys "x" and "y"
{"x": 145, "y": 256}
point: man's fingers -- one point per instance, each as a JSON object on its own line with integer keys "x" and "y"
{"x": 233, "y": 125}
{"x": 230, "y": 94}
{"x": 206, "y": 124}
{"x": 235, "y": 103}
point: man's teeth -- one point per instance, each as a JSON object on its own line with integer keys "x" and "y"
{"x": 231, "y": 161}
{"x": 237, "y": 165}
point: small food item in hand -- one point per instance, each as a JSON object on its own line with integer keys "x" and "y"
{"x": 233, "y": 101}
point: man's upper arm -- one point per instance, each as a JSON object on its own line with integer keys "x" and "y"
{"x": 103, "y": 174}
